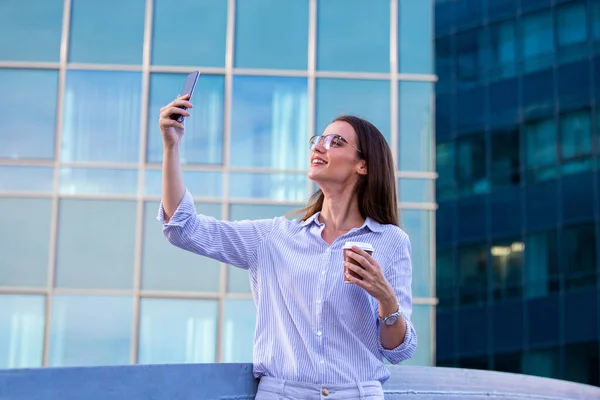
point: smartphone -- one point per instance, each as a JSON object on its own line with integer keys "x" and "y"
{"x": 188, "y": 88}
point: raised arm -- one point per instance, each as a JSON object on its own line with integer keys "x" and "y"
{"x": 172, "y": 131}
{"x": 234, "y": 243}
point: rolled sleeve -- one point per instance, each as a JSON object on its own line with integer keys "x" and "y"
{"x": 399, "y": 275}
{"x": 234, "y": 243}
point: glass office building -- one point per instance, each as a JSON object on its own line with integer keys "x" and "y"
{"x": 518, "y": 150}
{"x": 86, "y": 276}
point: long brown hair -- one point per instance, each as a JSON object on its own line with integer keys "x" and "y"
{"x": 376, "y": 191}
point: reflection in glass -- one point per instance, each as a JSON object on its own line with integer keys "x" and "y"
{"x": 96, "y": 244}
{"x": 541, "y": 141}
{"x": 417, "y": 224}
{"x": 575, "y": 134}
{"x": 415, "y": 190}
{"x": 178, "y": 331}
{"x": 16, "y": 178}
{"x": 199, "y": 183}
{"x": 203, "y": 139}
{"x": 444, "y": 279}
{"x": 92, "y": 41}
{"x": 578, "y": 255}
{"x": 34, "y": 28}
{"x": 21, "y": 331}
{"x": 422, "y": 318}
{"x": 571, "y": 21}
{"x": 444, "y": 161}
{"x": 365, "y": 98}
{"x": 237, "y": 278}
{"x": 25, "y": 238}
{"x": 471, "y": 176}
{"x": 281, "y": 187}
{"x": 98, "y": 181}
{"x": 506, "y": 158}
{"x": 541, "y": 264}
{"x": 353, "y": 35}
{"x": 269, "y": 122}
{"x": 271, "y": 34}
{"x": 238, "y": 331}
{"x": 416, "y": 126}
{"x": 537, "y": 41}
{"x": 502, "y": 51}
{"x": 24, "y": 136}
{"x": 508, "y": 262}
{"x": 89, "y": 330}
{"x": 542, "y": 362}
{"x": 169, "y": 268}
{"x": 415, "y": 37}
{"x": 101, "y": 116}
{"x": 203, "y": 23}
{"x": 472, "y": 274}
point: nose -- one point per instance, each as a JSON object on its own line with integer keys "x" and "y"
{"x": 319, "y": 147}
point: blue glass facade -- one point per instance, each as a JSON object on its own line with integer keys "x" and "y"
{"x": 86, "y": 276}
{"x": 517, "y": 151}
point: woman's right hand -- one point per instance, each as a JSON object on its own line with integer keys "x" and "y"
{"x": 171, "y": 130}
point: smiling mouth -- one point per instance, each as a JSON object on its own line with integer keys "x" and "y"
{"x": 317, "y": 161}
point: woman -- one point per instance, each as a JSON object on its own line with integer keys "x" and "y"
{"x": 315, "y": 334}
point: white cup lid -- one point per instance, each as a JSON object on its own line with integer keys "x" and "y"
{"x": 362, "y": 245}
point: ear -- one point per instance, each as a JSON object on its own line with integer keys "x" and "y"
{"x": 362, "y": 167}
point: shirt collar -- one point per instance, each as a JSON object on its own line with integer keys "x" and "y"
{"x": 373, "y": 225}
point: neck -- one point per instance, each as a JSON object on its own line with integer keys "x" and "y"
{"x": 340, "y": 211}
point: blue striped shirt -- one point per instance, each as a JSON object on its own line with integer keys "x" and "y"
{"x": 310, "y": 325}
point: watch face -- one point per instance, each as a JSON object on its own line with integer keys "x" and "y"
{"x": 391, "y": 320}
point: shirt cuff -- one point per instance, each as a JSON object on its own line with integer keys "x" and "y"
{"x": 185, "y": 208}
{"x": 405, "y": 350}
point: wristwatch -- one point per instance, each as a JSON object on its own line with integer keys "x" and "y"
{"x": 390, "y": 319}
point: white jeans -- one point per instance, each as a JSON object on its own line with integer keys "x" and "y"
{"x": 280, "y": 389}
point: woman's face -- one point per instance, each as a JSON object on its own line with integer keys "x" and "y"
{"x": 334, "y": 157}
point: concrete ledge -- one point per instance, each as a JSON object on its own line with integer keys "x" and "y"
{"x": 235, "y": 382}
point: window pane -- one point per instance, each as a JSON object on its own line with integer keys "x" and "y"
{"x": 21, "y": 331}
{"x": 365, "y": 98}
{"x": 542, "y": 362}
{"x": 282, "y": 187}
{"x": 169, "y": 268}
{"x": 15, "y": 178}
{"x": 503, "y": 51}
{"x": 595, "y": 18}
{"x": 269, "y": 122}
{"x": 202, "y": 22}
{"x": 446, "y": 171}
{"x": 541, "y": 143}
{"x": 572, "y": 31}
{"x": 472, "y": 273}
{"x": 575, "y": 134}
{"x": 507, "y": 259}
{"x": 541, "y": 264}
{"x": 579, "y": 256}
{"x": 422, "y": 318}
{"x": 238, "y": 332}
{"x": 25, "y": 236}
{"x": 471, "y": 174}
{"x": 444, "y": 279}
{"x": 98, "y": 181}
{"x": 174, "y": 331}
{"x": 36, "y": 135}
{"x": 416, "y": 125}
{"x": 415, "y": 36}
{"x": 537, "y": 41}
{"x": 417, "y": 224}
{"x": 34, "y": 28}
{"x": 237, "y": 278}
{"x": 91, "y": 41}
{"x": 506, "y": 161}
{"x": 101, "y": 118}
{"x": 199, "y": 183}
{"x": 468, "y": 66}
{"x": 271, "y": 34}
{"x": 415, "y": 190}
{"x": 203, "y": 139}
{"x": 353, "y": 35}
{"x": 78, "y": 339}
{"x": 97, "y": 254}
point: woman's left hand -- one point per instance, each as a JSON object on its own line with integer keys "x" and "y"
{"x": 373, "y": 280}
